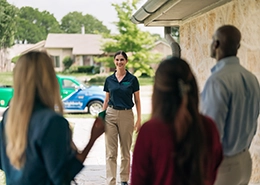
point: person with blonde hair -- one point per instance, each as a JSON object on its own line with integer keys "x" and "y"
{"x": 35, "y": 141}
{"x": 177, "y": 145}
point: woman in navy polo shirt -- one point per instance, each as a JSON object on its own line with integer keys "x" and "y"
{"x": 120, "y": 88}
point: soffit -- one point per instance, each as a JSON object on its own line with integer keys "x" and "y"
{"x": 173, "y": 12}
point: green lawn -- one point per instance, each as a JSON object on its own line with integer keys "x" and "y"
{"x": 6, "y": 78}
{"x": 146, "y": 81}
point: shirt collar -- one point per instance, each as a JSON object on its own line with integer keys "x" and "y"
{"x": 223, "y": 62}
{"x": 114, "y": 74}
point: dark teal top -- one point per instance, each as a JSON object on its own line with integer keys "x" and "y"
{"x": 121, "y": 93}
{"x": 50, "y": 159}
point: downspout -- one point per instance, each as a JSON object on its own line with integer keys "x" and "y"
{"x": 176, "y": 49}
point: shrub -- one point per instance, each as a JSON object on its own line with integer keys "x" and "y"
{"x": 97, "y": 80}
{"x": 73, "y": 69}
{"x": 85, "y": 69}
{"x": 96, "y": 70}
{"x": 67, "y": 62}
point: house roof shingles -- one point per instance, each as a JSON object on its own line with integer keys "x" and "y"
{"x": 81, "y": 44}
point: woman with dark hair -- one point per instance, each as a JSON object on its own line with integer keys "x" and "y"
{"x": 120, "y": 87}
{"x": 177, "y": 145}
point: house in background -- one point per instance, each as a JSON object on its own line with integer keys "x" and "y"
{"x": 82, "y": 48}
{"x": 163, "y": 48}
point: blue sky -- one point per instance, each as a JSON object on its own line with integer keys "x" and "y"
{"x": 101, "y": 9}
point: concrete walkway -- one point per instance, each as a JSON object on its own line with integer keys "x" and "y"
{"x": 94, "y": 172}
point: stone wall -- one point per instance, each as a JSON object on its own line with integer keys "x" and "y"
{"x": 195, "y": 40}
{"x": 196, "y": 34}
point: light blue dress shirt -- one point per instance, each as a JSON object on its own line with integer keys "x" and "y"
{"x": 231, "y": 97}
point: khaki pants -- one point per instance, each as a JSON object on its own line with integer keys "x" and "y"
{"x": 235, "y": 170}
{"x": 119, "y": 124}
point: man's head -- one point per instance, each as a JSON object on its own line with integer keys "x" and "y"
{"x": 225, "y": 42}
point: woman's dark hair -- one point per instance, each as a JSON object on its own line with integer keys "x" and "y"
{"x": 178, "y": 106}
{"x": 121, "y": 53}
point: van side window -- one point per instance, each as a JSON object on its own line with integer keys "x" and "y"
{"x": 68, "y": 84}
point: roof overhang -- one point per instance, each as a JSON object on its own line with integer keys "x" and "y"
{"x": 173, "y": 12}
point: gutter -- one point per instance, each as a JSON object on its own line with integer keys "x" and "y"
{"x": 154, "y": 9}
{"x": 150, "y": 7}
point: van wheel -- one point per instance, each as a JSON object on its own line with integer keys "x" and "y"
{"x": 94, "y": 107}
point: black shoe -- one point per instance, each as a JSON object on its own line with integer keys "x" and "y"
{"x": 124, "y": 183}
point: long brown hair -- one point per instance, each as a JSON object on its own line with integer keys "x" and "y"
{"x": 34, "y": 77}
{"x": 175, "y": 101}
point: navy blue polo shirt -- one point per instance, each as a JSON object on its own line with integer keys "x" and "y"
{"x": 50, "y": 159}
{"x": 121, "y": 93}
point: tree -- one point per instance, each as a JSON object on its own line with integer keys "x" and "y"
{"x": 7, "y": 24}
{"x": 132, "y": 40}
{"x": 28, "y": 32}
{"x": 73, "y": 22}
{"x": 7, "y": 30}
{"x": 33, "y": 26}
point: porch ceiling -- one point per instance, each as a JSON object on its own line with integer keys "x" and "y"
{"x": 172, "y": 12}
